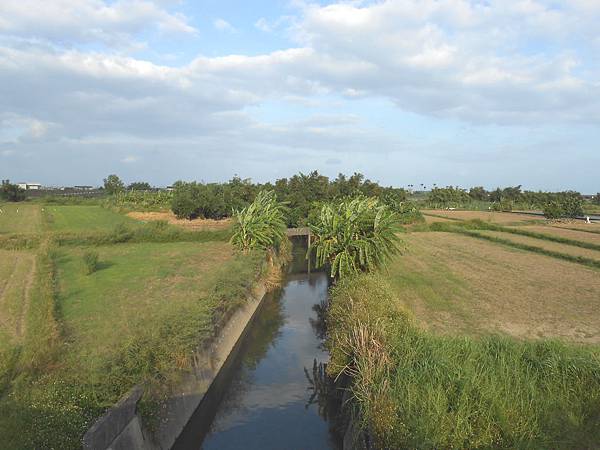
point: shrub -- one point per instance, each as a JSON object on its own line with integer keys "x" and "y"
{"x": 90, "y": 260}
{"x": 565, "y": 204}
{"x": 354, "y": 236}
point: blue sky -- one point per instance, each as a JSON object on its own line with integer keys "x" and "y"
{"x": 498, "y": 92}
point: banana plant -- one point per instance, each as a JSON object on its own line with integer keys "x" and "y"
{"x": 261, "y": 225}
{"x": 353, "y": 236}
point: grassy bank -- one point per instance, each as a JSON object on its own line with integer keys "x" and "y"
{"x": 415, "y": 389}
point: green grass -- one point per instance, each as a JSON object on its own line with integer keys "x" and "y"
{"x": 413, "y": 389}
{"x": 20, "y": 218}
{"x": 83, "y": 218}
{"x": 137, "y": 319}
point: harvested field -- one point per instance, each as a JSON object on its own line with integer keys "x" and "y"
{"x": 434, "y": 219}
{"x": 19, "y": 218}
{"x": 195, "y": 224}
{"x": 503, "y": 218}
{"x": 567, "y": 233}
{"x": 579, "y": 225}
{"x": 456, "y": 284}
{"x": 547, "y": 245}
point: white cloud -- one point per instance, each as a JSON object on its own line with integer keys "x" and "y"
{"x": 263, "y": 25}
{"x": 223, "y": 25}
{"x": 83, "y": 21}
{"x": 510, "y": 62}
{"x": 129, "y": 159}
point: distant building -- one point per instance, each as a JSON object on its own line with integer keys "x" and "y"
{"x": 30, "y": 186}
{"x": 84, "y": 188}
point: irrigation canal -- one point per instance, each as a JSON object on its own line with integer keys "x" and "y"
{"x": 272, "y": 393}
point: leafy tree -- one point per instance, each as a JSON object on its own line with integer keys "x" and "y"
{"x": 354, "y": 236}
{"x": 567, "y": 204}
{"x": 449, "y": 196}
{"x": 11, "y": 192}
{"x": 184, "y": 204}
{"x": 139, "y": 186}
{"x": 596, "y": 199}
{"x": 113, "y": 185}
{"x": 478, "y": 193}
{"x": 261, "y": 225}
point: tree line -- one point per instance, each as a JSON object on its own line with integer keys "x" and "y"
{"x": 554, "y": 204}
{"x": 302, "y": 194}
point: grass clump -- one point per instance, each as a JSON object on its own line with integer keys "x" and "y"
{"x": 90, "y": 261}
{"x": 414, "y": 389}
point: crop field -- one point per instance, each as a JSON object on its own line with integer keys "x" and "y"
{"x": 547, "y": 245}
{"x": 576, "y": 235}
{"x": 502, "y": 218}
{"x": 456, "y": 284}
{"x": 20, "y": 218}
{"x": 579, "y": 226}
{"x": 82, "y": 218}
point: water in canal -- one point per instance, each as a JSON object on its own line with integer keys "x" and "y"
{"x": 272, "y": 395}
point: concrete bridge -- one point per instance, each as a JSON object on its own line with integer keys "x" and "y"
{"x": 302, "y": 231}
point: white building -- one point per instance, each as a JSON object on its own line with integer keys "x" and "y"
{"x": 30, "y": 186}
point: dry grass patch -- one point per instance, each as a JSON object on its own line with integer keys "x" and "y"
{"x": 195, "y": 224}
{"x": 456, "y": 284}
{"x": 502, "y": 218}
{"x": 546, "y": 245}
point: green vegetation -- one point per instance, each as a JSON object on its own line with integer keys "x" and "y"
{"x": 353, "y": 236}
{"x": 413, "y": 389}
{"x": 90, "y": 259}
{"x": 113, "y": 185}
{"x": 260, "y": 225}
{"x": 95, "y": 318}
{"x": 137, "y": 200}
{"x": 304, "y": 194}
{"x": 136, "y": 319}
{"x": 569, "y": 204}
{"x": 22, "y": 218}
{"x": 11, "y": 192}
{"x": 83, "y": 218}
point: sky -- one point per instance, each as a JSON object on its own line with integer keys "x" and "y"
{"x": 452, "y": 92}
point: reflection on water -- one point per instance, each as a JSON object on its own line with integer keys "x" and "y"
{"x": 277, "y": 395}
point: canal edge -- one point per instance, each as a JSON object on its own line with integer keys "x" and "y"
{"x": 122, "y": 427}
